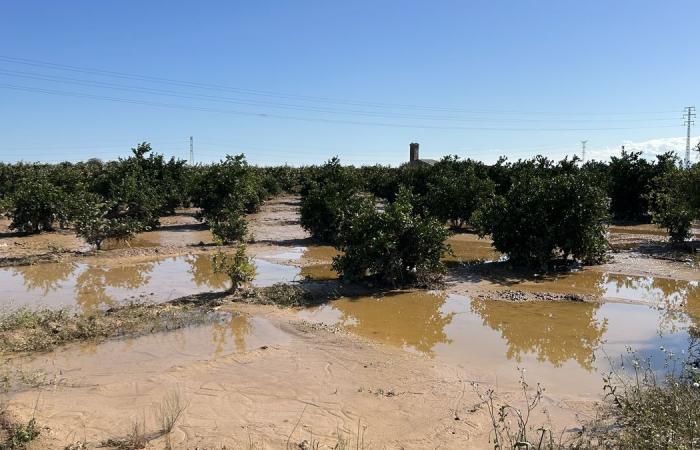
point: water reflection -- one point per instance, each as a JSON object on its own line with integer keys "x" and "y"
{"x": 318, "y": 272}
{"x": 44, "y": 277}
{"x": 562, "y": 344}
{"x": 470, "y": 248}
{"x": 202, "y": 273}
{"x": 652, "y": 290}
{"x": 413, "y": 320}
{"x": 90, "y": 286}
{"x": 237, "y": 327}
{"x": 555, "y": 331}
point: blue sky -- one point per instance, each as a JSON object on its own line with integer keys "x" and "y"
{"x": 300, "y": 81}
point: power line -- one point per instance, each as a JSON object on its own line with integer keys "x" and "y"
{"x": 307, "y": 98}
{"x": 257, "y": 103}
{"x": 306, "y": 119}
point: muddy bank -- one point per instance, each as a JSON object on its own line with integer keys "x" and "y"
{"x": 252, "y": 379}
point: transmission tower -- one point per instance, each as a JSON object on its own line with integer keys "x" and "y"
{"x": 583, "y": 151}
{"x": 191, "y": 150}
{"x": 688, "y": 121}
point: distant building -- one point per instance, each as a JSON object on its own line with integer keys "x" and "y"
{"x": 414, "y": 158}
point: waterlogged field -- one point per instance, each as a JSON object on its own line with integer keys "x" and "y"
{"x": 397, "y": 363}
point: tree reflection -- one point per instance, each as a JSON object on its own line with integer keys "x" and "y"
{"x": 202, "y": 273}
{"x": 44, "y": 277}
{"x": 413, "y": 320}
{"x": 93, "y": 282}
{"x": 555, "y": 331}
{"x": 239, "y": 327}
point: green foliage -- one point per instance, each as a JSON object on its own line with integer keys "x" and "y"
{"x": 239, "y": 267}
{"x": 92, "y": 221}
{"x": 395, "y": 245}
{"x": 230, "y": 184}
{"x": 19, "y": 436}
{"x": 324, "y": 199}
{"x": 35, "y": 206}
{"x": 541, "y": 216}
{"x": 228, "y": 226}
{"x": 455, "y": 191}
{"x": 630, "y": 179}
{"x": 675, "y": 201}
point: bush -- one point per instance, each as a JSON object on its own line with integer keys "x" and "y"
{"x": 229, "y": 185}
{"x": 228, "y": 226}
{"x": 92, "y": 222}
{"x": 239, "y": 267}
{"x": 396, "y": 245}
{"x": 675, "y": 202}
{"x": 630, "y": 182}
{"x": 35, "y": 206}
{"x": 542, "y": 216}
{"x": 324, "y": 199}
{"x": 455, "y": 191}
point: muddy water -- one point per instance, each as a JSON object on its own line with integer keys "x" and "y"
{"x": 563, "y": 345}
{"x": 612, "y": 286}
{"x": 165, "y": 237}
{"x": 156, "y": 352}
{"x": 90, "y": 286}
{"x": 469, "y": 248}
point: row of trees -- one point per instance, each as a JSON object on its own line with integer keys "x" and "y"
{"x": 116, "y": 199}
{"x": 534, "y": 210}
{"x": 389, "y": 223}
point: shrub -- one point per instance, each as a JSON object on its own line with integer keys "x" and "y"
{"x": 239, "y": 267}
{"x": 91, "y": 221}
{"x": 540, "y": 216}
{"x": 35, "y": 206}
{"x": 395, "y": 245}
{"x": 630, "y": 181}
{"x": 675, "y": 202}
{"x": 455, "y": 191}
{"x": 324, "y": 199}
{"x": 230, "y": 184}
{"x": 228, "y": 226}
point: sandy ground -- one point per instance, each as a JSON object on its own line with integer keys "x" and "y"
{"x": 287, "y": 371}
{"x": 267, "y": 377}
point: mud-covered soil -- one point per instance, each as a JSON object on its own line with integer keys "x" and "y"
{"x": 288, "y": 371}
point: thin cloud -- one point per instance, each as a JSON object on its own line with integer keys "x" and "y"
{"x": 649, "y": 148}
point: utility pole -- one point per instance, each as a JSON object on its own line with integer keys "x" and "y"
{"x": 688, "y": 117}
{"x": 191, "y": 150}
{"x": 583, "y": 151}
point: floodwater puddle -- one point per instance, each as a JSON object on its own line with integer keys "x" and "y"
{"x": 467, "y": 248}
{"x": 87, "y": 286}
{"x": 165, "y": 237}
{"x": 131, "y": 358}
{"x": 655, "y": 291}
{"x": 562, "y": 345}
{"x": 645, "y": 228}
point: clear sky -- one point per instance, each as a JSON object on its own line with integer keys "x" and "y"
{"x": 300, "y": 81}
